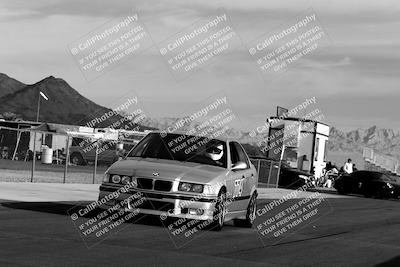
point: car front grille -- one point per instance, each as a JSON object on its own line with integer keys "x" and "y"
{"x": 160, "y": 185}
{"x": 145, "y": 183}
{"x": 151, "y": 184}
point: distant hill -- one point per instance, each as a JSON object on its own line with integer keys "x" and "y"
{"x": 382, "y": 140}
{"x": 341, "y": 144}
{"x": 65, "y": 105}
{"x": 9, "y": 85}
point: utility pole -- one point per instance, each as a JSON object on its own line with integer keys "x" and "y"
{"x": 34, "y": 140}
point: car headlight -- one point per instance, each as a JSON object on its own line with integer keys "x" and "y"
{"x": 305, "y": 177}
{"x": 389, "y": 185}
{"x": 189, "y": 187}
{"x": 116, "y": 179}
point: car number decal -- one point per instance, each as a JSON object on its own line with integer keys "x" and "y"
{"x": 238, "y": 188}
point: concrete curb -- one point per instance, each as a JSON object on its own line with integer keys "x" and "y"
{"x": 48, "y": 192}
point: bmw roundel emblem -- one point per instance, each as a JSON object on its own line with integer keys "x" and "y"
{"x": 156, "y": 174}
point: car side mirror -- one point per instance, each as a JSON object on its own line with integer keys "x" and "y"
{"x": 239, "y": 166}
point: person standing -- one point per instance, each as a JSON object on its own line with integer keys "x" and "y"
{"x": 330, "y": 174}
{"x": 348, "y": 167}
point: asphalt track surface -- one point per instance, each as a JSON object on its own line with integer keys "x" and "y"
{"x": 352, "y": 232}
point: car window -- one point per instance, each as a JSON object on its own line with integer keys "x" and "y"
{"x": 182, "y": 147}
{"x": 367, "y": 175}
{"x": 357, "y": 174}
{"x": 393, "y": 178}
{"x": 76, "y": 141}
{"x": 234, "y": 153}
{"x": 388, "y": 178}
{"x": 242, "y": 154}
{"x": 372, "y": 176}
{"x": 238, "y": 153}
{"x": 156, "y": 150}
{"x": 360, "y": 175}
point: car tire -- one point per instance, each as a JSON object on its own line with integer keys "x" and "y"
{"x": 77, "y": 159}
{"x": 367, "y": 194}
{"x": 378, "y": 195}
{"x": 219, "y": 213}
{"x": 250, "y": 214}
{"x": 365, "y": 191}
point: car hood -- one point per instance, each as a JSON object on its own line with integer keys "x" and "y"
{"x": 168, "y": 170}
{"x": 393, "y": 180}
{"x": 295, "y": 171}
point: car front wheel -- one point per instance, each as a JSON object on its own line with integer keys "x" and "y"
{"x": 219, "y": 212}
{"x": 250, "y": 214}
{"x": 341, "y": 190}
{"x": 77, "y": 159}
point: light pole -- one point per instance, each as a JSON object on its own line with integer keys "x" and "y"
{"x": 41, "y": 94}
{"x": 34, "y": 134}
{"x": 38, "y": 108}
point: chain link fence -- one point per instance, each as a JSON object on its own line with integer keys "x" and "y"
{"x": 28, "y": 155}
{"x": 268, "y": 172}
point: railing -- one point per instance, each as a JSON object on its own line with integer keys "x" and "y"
{"x": 16, "y": 153}
{"x": 268, "y": 172}
{"x": 385, "y": 162}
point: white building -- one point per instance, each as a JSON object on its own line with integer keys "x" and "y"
{"x": 301, "y": 142}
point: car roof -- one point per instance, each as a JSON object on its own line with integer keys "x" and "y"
{"x": 222, "y": 138}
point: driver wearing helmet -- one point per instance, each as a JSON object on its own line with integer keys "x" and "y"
{"x": 215, "y": 153}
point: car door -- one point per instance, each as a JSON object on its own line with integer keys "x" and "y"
{"x": 108, "y": 151}
{"x": 89, "y": 150}
{"x": 347, "y": 182}
{"x": 238, "y": 184}
{"x": 370, "y": 183}
{"x": 235, "y": 180}
{"x": 361, "y": 181}
{"x": 354, "y": 180}
{"x": 249, "y": 173}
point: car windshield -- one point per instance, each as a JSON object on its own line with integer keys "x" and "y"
{"x": 390, "y": 178}
{"x": 378, "y": 176}
{"x": 371, "y": 175}
{"x": 181, "y": 147}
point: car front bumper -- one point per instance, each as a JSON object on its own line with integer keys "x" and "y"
{"x": 163, "y": 204}
{"x": 394, "y": 192}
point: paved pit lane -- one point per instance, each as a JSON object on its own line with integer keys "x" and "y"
{"x": 357, "y": 232}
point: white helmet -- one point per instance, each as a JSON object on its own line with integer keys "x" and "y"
{"x": 215, "y": 152}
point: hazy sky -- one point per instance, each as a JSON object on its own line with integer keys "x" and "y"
{"x": 355, "y": 80}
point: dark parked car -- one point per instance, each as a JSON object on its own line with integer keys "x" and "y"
{"x": 369, "y": 184}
